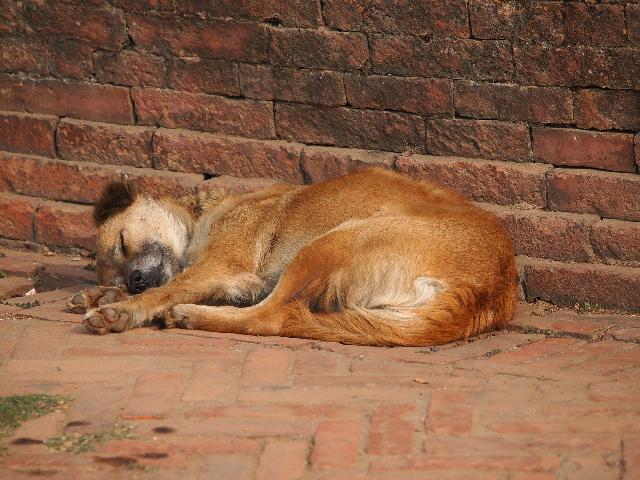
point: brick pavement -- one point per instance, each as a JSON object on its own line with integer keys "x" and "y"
{"x": 557, "y": 395}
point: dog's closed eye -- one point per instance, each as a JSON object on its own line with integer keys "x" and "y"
{"x": 123, "y": 246}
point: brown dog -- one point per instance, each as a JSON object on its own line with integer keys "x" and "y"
{"x": 372, "y": 258}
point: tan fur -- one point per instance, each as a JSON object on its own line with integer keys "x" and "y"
{"x": 371, "y": 258}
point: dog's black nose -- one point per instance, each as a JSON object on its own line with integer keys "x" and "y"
{"x": 137, "y": 282}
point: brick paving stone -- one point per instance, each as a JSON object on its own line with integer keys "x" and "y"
{"x": 15, "y": 286}
{"x": 553, "y": 396}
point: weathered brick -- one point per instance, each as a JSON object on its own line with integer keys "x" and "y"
{"x": 144, "y": 6}
{"x": 221, "y": 155}
{"x": 10, "y": 16}
{"x": 414, "y": 95}
{"x": 450, "y": 413}
{"x": 323, "y": 163}
{"x": 267, "y": 367}
{"x": 487, "y": 181}
{"x": 478, "y": 138}
{"x": 283, "y": 459}
{"x": 633, "y": 22}
{"x": 204, "y": 76}
{"x": 102, "y": 103}
{"x": 162, "y": 184}
{"x": 513, "y": 102}
{"x": 16, "y": 216}
{"x": 569, "y": 284}
{"x": 318, "y": 49}
{"x": 412, "y": 56}
{"x": 53, "y": 179}
{"x": 65, "y": 225}
{"x": 223, "y": 39}
{"x": 336, "y": 444}
{"x": 549, "y": 22}
{"x": 264, "y": 82}
{"x": 154, "y": 395}
{"x": 427, "y": 18}
{"x": 608, "y": 109}
{"x": 494, "y": 19}
{"x": 393, "y": 430}
{"x": 346, "y": 127}
{"x": 70, "y": 59}
{"x": 25, "y": 133}
{"x": 577, "y": 65}
{"x": 636, "y": 144}
{"x": 99, "y": 26}
{"x": 17, "y": 54}
{"x": 577, "y": 148}
{"x": 129, "y": 67}
{"x": 616, "y": 240}
{"x": 611, "y": 195}
{"x": 172, "y": 109}
{"x": 557, "y": 236}
{"x": 104, "y": 143}
{"x": 294, "y": 13}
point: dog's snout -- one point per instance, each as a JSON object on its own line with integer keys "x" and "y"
{"x": 137, "y": 282}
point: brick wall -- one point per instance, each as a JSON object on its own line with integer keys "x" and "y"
{"x": 531, "y": 108}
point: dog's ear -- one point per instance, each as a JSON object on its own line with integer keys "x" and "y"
{"x": 117, "y": 196}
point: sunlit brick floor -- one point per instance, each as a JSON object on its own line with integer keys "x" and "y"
{"x": 557, "y": 395}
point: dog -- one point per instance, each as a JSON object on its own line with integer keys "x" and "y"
{"x": 370, "y": 258}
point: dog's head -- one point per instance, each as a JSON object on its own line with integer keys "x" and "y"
{"x": 141, "y": 240}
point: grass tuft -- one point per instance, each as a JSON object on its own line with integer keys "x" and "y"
{"x": 16, "y": 409}
{"x": 86, "y": 442}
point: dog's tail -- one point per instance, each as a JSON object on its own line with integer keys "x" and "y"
{"x": 455, "y": 313}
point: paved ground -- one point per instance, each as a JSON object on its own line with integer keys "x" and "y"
{"x": 555, "y": 396}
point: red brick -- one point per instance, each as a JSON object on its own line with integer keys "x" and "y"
{"x": 129, "y": 67}
{"x": 391, "y": 432}
{"x": 144, "y": 6}
{"x": 494, "y": 182}
{"x": 15, "y": 286}
{"x": 224, "y": 185}
{"x": 414, "y": 95}
{"x": 427, "y": 18}
{"x": 346, "y": 127}
{"x": 478, "y": 138}
{"x": 513, "y": 102}
{"x": 557, "y": 236}
{"x": 9, "y": 16}
{"x": 295, "y": 13}
{"x": 637, "y": 149}
{"x": 204, "y": 76}
{"x": 264, "y": 82}
{"x": 323, "y": 163}
{"x": 25, "y": 133}
{"x": 223, "y": 39}
{"x": 450, "y": 413}
{"x": 172, "y": 109}
{"x": 321, "y": 49}
{"x": 283, "y": 459}
{"x": 65, "y": 225}
{"x": 494, "y": 19}
{"x": 16, "y": 216}
{"x": 549, "y": 22}
{"x": 97, "y": 25}
{"x": 608, "y": 109}
{"x": 212, "y": 381}
{"x": 103, "y": 143}
{"x": 102, "y": 103}
{"x": 569, "y": 284}
{"x": 616, "y": 240}
{"x": 611, "y": 195}
{"x": 413, "y": 56}
{"x": 267, "y": 367}
{"x": 18, "y": 54}
{"x": 220, "y": 155}
{"x": 154, "y": 395}
{"x": 578, "y": 65}
{"x": 336, "y": 444}
{"x": 56, "y": 180}
{"x": 70, "y": 59}
{"x": 162, "y": 184}
{"x": 577, "y": 148}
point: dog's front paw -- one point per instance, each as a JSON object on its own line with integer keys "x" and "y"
{"x": 115, "y": 317}
{"x": 179, "y": 316}
{"x": 89, "y": 298}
